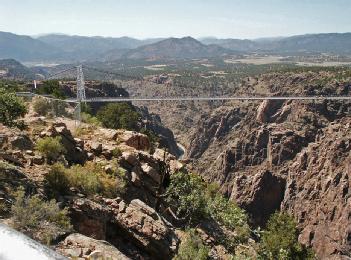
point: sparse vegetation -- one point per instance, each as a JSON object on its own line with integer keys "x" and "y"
{"x": 41, "y": 106}
{"x": 192, "y": 248}
{"x": 89, "y": 119}
{"x": 11, "y": 109}
{"x": 89, "y": 179}
{"x": 32, "y": 213}
{"x": 51, "y": 148}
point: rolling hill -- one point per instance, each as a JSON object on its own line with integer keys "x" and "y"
{"x": 10, "y": 69}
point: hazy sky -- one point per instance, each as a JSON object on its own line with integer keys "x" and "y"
{"x": 164, "y": 18}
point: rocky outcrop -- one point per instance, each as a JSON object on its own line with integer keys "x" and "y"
{"x": 117, "y": 219}
{"x": 75, "y": 154}
{"x": 267, "y": 109}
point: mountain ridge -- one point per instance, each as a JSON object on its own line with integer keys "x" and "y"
{"x": 66, "y": 48}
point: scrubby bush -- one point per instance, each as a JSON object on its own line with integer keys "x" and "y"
{"x": 89, "y": 119}
{"x": 90, "y": 179}
{"x": 119, "y": 116}
{"x": 57, "y": 182}
{"x": 228, "y": 214}
{"x": 186, "y": 195}
{"x": 280, "y": 239}
{"x": 192, "y": 248}
{"x": 194, "y": 200}
{"x": 32, "y": 213}
{"x": 11, "y": 109}
{"x": 41, "y": 106}
{"x": 116, "y": 152}
{"x": 51, "y": 148}
{"x": 51, "y": 87}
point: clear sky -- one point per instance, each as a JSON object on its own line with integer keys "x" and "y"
{"x": 165, "y": 18}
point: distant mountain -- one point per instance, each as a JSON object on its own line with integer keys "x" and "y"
{"x": 336, "y": 43}
{"x": 82, "y": 47}
{"x": 175, "y": 48}
{"x": 25, "y": 48}
{"x": 10, "y": 68}
{"x": 233, "y": 44}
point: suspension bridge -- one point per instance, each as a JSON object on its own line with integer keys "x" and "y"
{"x": 81, "y": 94}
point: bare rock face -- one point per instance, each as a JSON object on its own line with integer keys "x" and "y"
{"x": 213, "y": 128}
{"x": 260, "y": 196}
{"x": 80, "y": 246}
{"x": 267, "y": 109}
{"x": 136, "y": 221}
{"x": 318, "y": 192}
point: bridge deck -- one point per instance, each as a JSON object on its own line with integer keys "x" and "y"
{"x": 130, "y": 99}
{"x": 149, "y": 99}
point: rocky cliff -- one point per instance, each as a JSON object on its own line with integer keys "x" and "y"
{"x": 292, "y": 156}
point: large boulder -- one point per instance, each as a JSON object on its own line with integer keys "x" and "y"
{"x": 138, "y": 222}
{"x": 135, "y": 140}
{"x": 78, "y": 246}
{"x": 22, "y": 142}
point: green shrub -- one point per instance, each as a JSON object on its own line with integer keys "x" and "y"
{"x": 186, "y": 195}
{"x": 192, "y": 248}
{"x": 11, "y": 109}
{"x": 51, "y": 148}
{"x": 51, "y": 87}
{"x": 34, "y": 214}
{"x": 227, "y": 212}
{"x": 194, "y": 200}
{"x": 41, "y": 106}
{"x": 89, "y": 119}
{"x": 57, "y": 182}
{"x": 280, "y": 239}
{"x": 119, "y": 116}
{"x": 116, "y": 152}
{"x": 90, "y": 179}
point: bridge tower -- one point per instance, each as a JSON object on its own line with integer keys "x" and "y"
{"x": 80, "y": 84}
